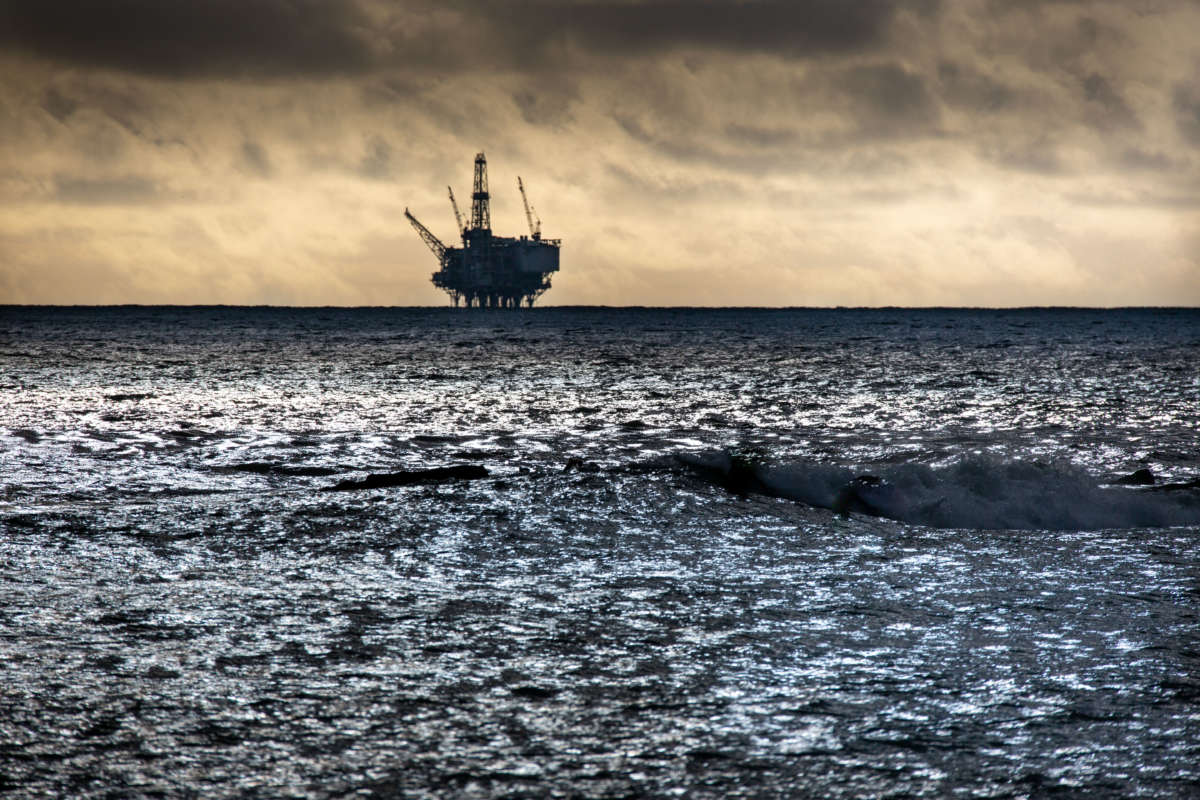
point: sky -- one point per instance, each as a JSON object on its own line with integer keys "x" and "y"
{"x": 688, "y": 152}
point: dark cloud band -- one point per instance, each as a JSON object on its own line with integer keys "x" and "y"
{"x": 278, "y": 38}
{"x": 778, "y": 26}
{"x": 181, "y": 38}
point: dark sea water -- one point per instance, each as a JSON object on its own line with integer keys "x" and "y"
{"x": 675, "y": 579}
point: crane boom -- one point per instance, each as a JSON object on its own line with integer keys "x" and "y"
{"x": 535, "y": 232}
{"x": 435, "y": 244}
{"x": 457, "y": 215}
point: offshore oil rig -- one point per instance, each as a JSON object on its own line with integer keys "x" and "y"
{"x": 491, "y": 271}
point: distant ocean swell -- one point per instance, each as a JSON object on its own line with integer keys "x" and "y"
{"x": 969, "y": 492}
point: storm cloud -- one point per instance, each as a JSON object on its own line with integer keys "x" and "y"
{"x": 628, "y": 28}
{"x": 177, "y": 38}
{"x": 257, "y": 38}
{"x": 717, "y": 151}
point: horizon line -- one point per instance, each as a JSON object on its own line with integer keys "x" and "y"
{"x": 566, "y": 307}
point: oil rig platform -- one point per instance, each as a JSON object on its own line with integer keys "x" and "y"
{"x": 491, "y": 271}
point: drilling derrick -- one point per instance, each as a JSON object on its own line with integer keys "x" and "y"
{"x": 491, "y": 271}
{"x": 481, "y": 214}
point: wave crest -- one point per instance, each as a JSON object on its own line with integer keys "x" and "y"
{"x": 979, "y": 492}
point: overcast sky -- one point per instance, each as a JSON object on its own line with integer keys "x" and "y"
{"x": 764, "y": 152}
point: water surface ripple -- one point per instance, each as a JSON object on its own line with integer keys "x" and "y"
{"x": 185, "y": 613}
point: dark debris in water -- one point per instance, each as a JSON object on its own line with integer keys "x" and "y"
{"x": 1141, "y": 477}
{"x": 533, "y": 692}
{"x": 463, "y": 472}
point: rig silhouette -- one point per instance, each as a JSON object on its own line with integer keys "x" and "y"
{"x": 491, "y": 271}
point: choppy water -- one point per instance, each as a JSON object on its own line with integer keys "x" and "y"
{"x": 649, "y": 595}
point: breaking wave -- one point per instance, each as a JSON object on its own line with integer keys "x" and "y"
{"x": 977, "y": 492}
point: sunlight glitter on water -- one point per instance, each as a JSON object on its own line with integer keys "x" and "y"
{"x": 184, "y": 607}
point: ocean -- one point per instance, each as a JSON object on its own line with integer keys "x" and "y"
{"x": 602, "y": 553}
